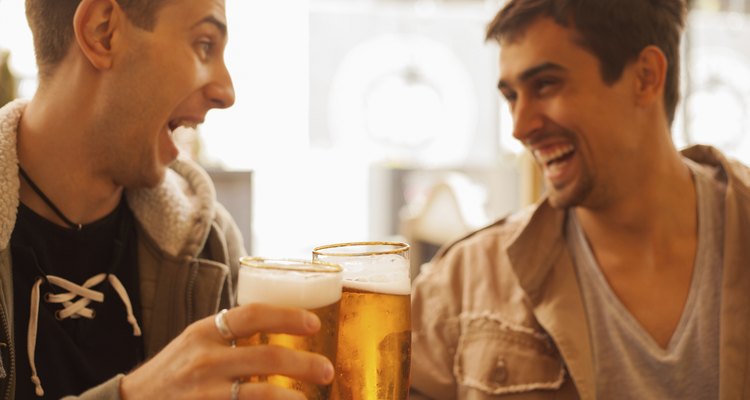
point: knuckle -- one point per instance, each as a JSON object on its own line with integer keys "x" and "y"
{"x": 199, "y": 367}
{"x": 252, "y": 310}
{"x": 274, "y": 357}
{"x": 205, "y": 361}
{"x": 266, "y": 391}
{"x": 191, "y": 333}
{"x": 263, "y": 392}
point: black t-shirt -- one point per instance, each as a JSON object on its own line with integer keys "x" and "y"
{"x": 73, "y": 355}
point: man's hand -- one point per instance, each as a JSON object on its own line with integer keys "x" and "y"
{"x": 200, "y": 364}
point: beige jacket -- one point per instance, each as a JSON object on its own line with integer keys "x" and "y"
{"x": 499, "y": 313}
{"x": 188, "y": 254}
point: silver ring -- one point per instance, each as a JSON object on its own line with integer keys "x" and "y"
{"x": 220, "y": 320}
{"x": 236, "y": 390}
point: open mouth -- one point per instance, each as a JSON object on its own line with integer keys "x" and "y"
{"x": 179, "y": 122}
{"x": 554, "y": 155}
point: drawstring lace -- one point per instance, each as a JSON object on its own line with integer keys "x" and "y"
{"x": 72, "y": 309}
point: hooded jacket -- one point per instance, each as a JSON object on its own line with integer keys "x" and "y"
{"x": 188, "y": 250}
{"x": 499, "y": 314}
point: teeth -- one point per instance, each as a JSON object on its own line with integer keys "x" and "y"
{"x": 547, "y": 155}
{"x": 184, "y": 123}
{"x": 189, "y": 124}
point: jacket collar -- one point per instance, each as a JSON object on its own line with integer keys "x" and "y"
{"x": 176, "y": 215}
{"x": 734, "y": 346}
{"x": 548, "y": 277}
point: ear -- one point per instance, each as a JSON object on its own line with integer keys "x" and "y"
{"x": 650, "y": 75}
{"x": 94, "y": 24}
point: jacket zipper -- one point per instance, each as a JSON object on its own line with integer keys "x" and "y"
{"x": 193, "y": 271}
{"x": 11, "y": 369}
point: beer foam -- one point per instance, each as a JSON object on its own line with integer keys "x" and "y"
{"x": 288, "y": 288}
{"x": 383, "y": 273}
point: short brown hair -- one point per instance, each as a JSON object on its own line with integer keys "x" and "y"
{"x": 51, "y": 23}
{"x": 615, "y": 31}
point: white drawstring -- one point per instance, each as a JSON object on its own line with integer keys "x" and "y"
{"x": 72, "y": 309}
{"x": 31, "y": 336}
{"x": 117, "y": 285}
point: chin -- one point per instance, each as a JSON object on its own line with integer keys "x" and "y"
{"x": 560, "y": 202}
{"x": 571, "y": 194}
{"x": 564, "y": 197}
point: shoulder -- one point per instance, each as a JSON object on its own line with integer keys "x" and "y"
{"x": 475, "y": 267}
{"x": 717, "y": 166}
{"x": 489, "y": 241}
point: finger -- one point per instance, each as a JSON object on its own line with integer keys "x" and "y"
{"x": 264, "y": 391}
{"x": 250, "y": 391}
{"x": 264, "y": 360}
{"x": 247, "y": 320}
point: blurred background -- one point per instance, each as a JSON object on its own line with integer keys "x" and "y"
{"x": 380, "y": 119}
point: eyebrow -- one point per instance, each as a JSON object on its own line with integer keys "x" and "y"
{"x": 531, "y": 72}
{"x": 210, "y": 19}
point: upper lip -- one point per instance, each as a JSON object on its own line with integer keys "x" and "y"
{"x": 546, "y": 154}
{"x": 546, "y": 149}
{"x": 191, "y": 121}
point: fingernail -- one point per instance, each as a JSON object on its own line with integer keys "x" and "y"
{"x": 312, "y": 322}
{"x": 327, "y": 372}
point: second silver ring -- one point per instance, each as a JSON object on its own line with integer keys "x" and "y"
{"x": 236, "y": 389}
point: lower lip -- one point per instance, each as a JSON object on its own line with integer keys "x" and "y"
{"x": 558, "y": 170}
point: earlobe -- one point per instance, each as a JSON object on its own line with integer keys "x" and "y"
{"x": 651, "y": 72}
{"x": 94, "y": 24}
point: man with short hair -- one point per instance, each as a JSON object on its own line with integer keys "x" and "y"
{"x": 628, "y": 279}
{"x": 114, "y": 255}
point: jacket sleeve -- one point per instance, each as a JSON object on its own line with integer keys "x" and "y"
{"x": 235, "y": 248}
{"x": 435, "y": 329}
{"x": 109, "y": 390}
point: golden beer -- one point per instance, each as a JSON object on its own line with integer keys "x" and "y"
{"x": 294, "y": 283}
{"x": 374, "y": 345}
{"x": 324, "y": 342}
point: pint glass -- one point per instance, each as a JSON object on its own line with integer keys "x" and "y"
{"x": 315, "y": 286}
{"x": 374, "y": 349}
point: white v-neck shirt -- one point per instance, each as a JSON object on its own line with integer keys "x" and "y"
{"x": 628, "y": 362}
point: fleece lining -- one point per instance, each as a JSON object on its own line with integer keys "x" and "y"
{"x": 176, "y": 214}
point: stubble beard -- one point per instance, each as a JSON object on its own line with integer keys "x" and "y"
{"x": 574, "y": 194}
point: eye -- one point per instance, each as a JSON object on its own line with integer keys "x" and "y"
{"x": 205, "y": 47}
{"x": 510, "y": 95}
{"x": 545, "y": 86}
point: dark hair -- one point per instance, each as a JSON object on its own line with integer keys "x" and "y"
{"x": 615, "y": 31}
{"x": 51, "y": 24}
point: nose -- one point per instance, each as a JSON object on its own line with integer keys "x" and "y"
{"x": 220, "y": 91}
{"x": 527, "y": 119}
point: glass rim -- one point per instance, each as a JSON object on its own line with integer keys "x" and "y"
{"x": 400, "y": 247}
{"x": 290, "y": 264}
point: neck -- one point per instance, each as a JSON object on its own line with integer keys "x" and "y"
{"x": 52, "y": 149}
{"x": 653, "y": 204}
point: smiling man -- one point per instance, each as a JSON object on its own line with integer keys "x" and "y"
{"x": 629, "y": 279}
{"x": 114, "y": 255}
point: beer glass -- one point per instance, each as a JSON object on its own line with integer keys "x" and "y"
{"x": 374, "y": 349}
{"x": 312, "y": 285}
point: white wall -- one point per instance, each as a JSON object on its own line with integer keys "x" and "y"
{"x": 296, "y": 203}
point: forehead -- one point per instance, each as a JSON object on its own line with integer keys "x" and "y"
{"x": 544, "y": 41}
{"x": 190, "y": 12}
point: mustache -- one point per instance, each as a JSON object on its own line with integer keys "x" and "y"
{"x": 549, "y": 131}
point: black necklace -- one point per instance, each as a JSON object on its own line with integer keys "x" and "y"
{"x": 49, "y": 203}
